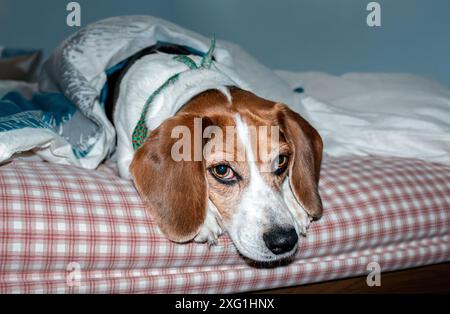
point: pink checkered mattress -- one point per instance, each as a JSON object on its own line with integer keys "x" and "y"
{"x": 70, "y": 230}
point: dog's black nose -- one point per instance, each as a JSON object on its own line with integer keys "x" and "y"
{"x": 280, "y": 239}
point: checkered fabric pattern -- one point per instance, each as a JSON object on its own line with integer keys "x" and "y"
{"x": 71, "y": 230}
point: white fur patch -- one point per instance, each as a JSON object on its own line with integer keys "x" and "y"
{"x": 226, "y": 92}
{"x": 212, "y": 226}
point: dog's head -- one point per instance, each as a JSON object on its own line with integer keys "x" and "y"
{"x": 257, "y": 162}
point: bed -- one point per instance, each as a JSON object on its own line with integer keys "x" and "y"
{"x": 70, "y": 224}
{"x": 72, "y": 230}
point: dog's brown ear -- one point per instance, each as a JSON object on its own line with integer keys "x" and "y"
{"x": 174, "y": 190}
{"x": 304, "y": 171}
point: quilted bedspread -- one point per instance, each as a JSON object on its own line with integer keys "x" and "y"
{"x": 65, "y": 229}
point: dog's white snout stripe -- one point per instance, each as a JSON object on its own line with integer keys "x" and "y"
{"x": 259, "y": 199}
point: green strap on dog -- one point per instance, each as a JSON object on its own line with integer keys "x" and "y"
{"x": 140, "y": 132}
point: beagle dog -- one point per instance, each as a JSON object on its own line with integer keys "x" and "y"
{"x": 264, "y": 201}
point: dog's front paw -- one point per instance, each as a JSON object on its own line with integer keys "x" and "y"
{"x": 303, "y": 221}
{"x": 210, "y": 230}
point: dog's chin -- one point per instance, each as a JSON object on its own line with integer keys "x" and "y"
{"x": 263, "y": 255}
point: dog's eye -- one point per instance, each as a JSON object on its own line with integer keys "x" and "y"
{"x": 281, "y": 164}
{"x": 223, "y": 173}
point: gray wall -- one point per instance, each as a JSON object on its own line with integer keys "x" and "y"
{"x": 324, "y": 35}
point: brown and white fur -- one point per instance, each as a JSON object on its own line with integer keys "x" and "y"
{"x": 262, "y": 211}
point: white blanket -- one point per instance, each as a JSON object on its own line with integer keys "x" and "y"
{"x": 376, "y": 114}
{"x": 75, "y": 76}
{"x": 356, "y": 114}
